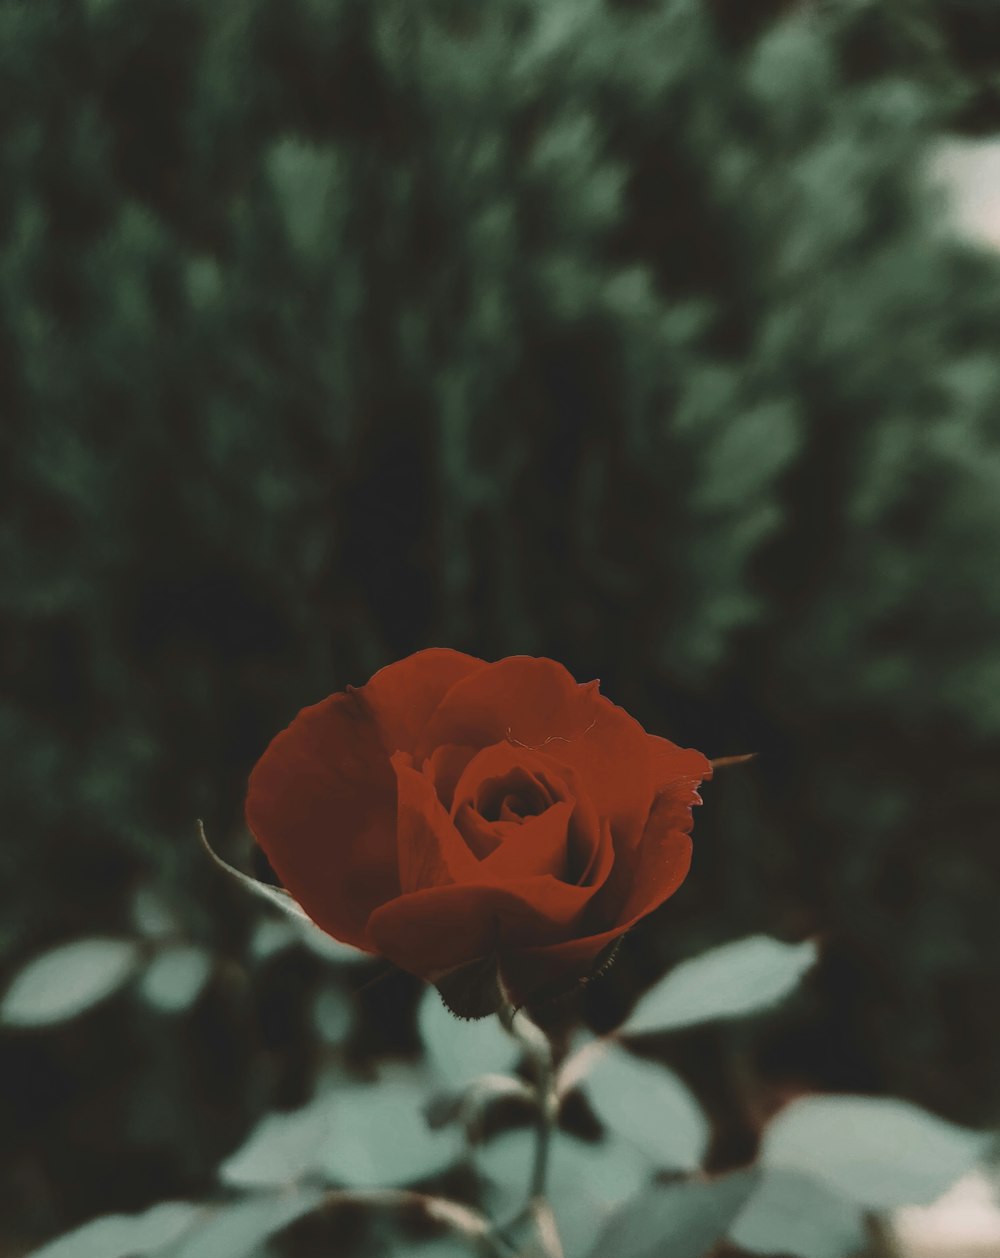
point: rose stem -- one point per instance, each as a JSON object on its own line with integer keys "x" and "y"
{"x": 536, "y": 1043}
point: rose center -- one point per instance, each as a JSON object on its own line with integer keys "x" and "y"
{"x": 512, "y": 798}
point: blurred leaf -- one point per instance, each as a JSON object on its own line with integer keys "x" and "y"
{"x": 281, "y": 1148}
{"x": 649, "y": 1106}
{"x": 728, "y": 982}
{"x": 333, "y": 1015}
{"x": 176, "y": 977}
{"x": 878, "y": 1152}
{"x": 682, "y": 1220}
{"x": 586, "y": 1181}
{"x": 125, "y": 1235}
{"x": 306, "y": 179}
{"x": 239, "y": 1230}
{"x": 471, "y": 1104}
{"x": 64, "y": 982}
{"x": 794, "y": 1214}
{"x": 378, "y": 1135}
{"x": 309, "y": 933}
{"x": 459, "y": 1050}
{"x": 440, "y": 1247}
{"x": 151, "y": 916}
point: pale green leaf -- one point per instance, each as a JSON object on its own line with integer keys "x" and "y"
{"x": 586, "y": 1181}
{"x": 378, "y": 1135}
{"x": 282, "y": 1147}
{"x": 649, "y": 1106}
{"x": 176, "y": 977}
{"x": 878, "y": 1152}
{"x": 457, "y": 1050}
{"x": 125, "y": 1235}
{"x": 68, "y": 980}
{"x": 731, "y": 981}
{"x": 241, "y": 1229}
{"x": 791, "y": 1213}
{"x": 682, "y": 1220}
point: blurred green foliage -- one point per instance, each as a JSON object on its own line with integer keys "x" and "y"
{"x": 625, "y": 333}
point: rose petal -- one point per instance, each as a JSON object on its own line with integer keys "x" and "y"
{"x": 596, "y": 835}
{"x": 445, "y": 767}
{"x": 431, "y": 851}
{"x": 504, "y": 762}
{"x": 481, "y": 837}
{"x": 536, "y": 704}
{"x": 321, "y": 802}
{"x": 431, "y": 932}
{"x": 537, "y": 845}
{"x": 403, "y": 696}
{"x": 664, "y": 859}
{"x": 674, "y": 766}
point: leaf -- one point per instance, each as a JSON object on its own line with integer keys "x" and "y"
{"x": 308, "y": 932}
{"x": 333, "y": 1015}
{"x": 239, "y": 1230}
{"x": 728, "y": 982}
{"x": 176, "y": 977}
{"x": 791, "y": 1213}
{"x": 682, "y": 1220}
{"x": 378, "y": 1135}
{"x": 877, "y": 1152}
{"x": 282, "y": 1147}
{"x": 64, "y": 982}
{"x": 649, "y": 1106}
{"x": 586, "y": 1181}
{"x": 125, "y": 1235}
{"x": 459, "y": 1051}
{"x": 471, "y": 1104}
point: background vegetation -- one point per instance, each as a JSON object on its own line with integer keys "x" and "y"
{"x": 626, "y": 333}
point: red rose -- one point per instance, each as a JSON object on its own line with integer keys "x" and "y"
{"x": 453, "y": 811}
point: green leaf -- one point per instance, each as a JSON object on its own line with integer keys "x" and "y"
{"x": 877, "y": 1152}
{"x": 333, "y": 1013}
{"x": 308, "y": 932}
{"x": 125, "y": 1235}
{"x": 586, "y": 1181}
{"x": 281, "y": 1148}
{"x": 458, "y": 1051}
{"x": 378, "y": 1135}
{"x": 239, "y": 1230}
{"x": 69, "y": 979}
{"x": 791, "y": 1213}
{"x": 728, "y": 982}
{"x": 649, "y": 1106}
{"x": 682, "y": 1220}
{"x": 176, "y": 977}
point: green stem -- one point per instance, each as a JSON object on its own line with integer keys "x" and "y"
{"x": 539, "y": 1052}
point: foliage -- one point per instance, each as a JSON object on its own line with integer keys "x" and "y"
{"x": 823, "y": 1162}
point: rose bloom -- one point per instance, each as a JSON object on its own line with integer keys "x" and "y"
{"x": 454, "y": 813}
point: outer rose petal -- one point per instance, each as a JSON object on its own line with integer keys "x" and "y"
{"x": 663, "y": 864}
{"x": 322, "y": 804}
{"x": 674, "y": 766}
{"x": 537, "y": 703}
{"x": 439, "y": 929}
{"x": 403, "y": 696}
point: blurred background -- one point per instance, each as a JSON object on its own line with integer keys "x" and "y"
{"x": 657, "y": 336}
